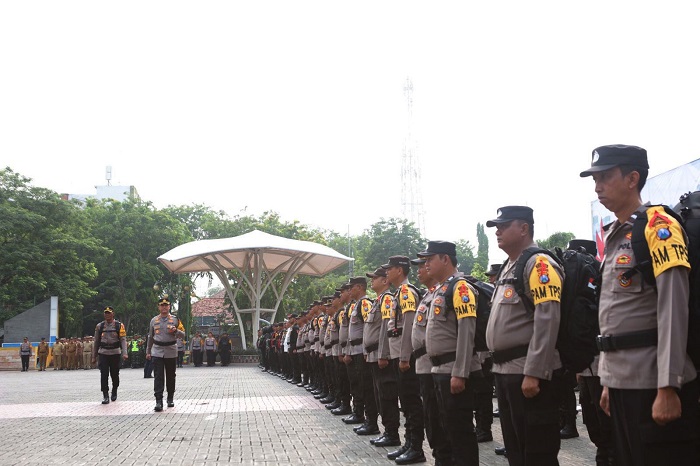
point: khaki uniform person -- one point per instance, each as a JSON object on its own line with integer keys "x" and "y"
{"x": 87, "y": 353}
{"x": 43, "y": 352}
{"x": 526, "y": 363}
{"x": 650, "y": 386}
{"x": 70, "y": 354}
{"x": 57, "y": 355}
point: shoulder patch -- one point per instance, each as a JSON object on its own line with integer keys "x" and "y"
{"x": 122, "y": 332}
{"x": 666, "y": 241}
{"x": 387, "y": 304}
{"x": 545, "y": 282}
{"x": 407, "y": 300}
{"x": 463, "y": 300}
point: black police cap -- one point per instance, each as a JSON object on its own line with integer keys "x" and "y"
{"x": 396, "y": 261}
{"x": 607, "y": 157}
{"x": 586, "y": 244}
{"x": 358, "y": 281}
{"x": 378, "y": 272}
{"x": 493, "y": 270}
{"x": 439, "y": 247}
{"x": 512, "y": 212}
{"x": 419, "y": 261}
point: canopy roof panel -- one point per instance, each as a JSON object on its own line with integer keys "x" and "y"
{"x": 239, "y": 252}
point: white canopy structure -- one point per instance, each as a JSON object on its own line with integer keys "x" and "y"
{"x": 259, "y": 258}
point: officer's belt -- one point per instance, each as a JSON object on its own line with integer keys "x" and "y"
{"x": 394, "y": 333}
{"x": 334, "y": 342}
{"x": 316, "y": 339}
{"x": 356, "y": 341}
{"x": 164, "y": 343}
{"x": 109, "y": 345}
{"x": 328, "y": 346}
{"x": 631, "y": 340}
{"x": 503, "y": 356}
{"x": 419, "y": 352}
{"x": 344, "y": 344}
{"x": 371, "y": 348}
{"x": 444, "y": 358}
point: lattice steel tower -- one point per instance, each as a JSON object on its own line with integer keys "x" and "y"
{"x": 411, "y": 198}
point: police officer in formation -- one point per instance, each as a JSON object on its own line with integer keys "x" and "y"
{"x": 649, "y": 384}
{"x": 164, "y": 330}
{"x": 110, "y": 347}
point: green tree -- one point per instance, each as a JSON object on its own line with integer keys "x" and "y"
{"x": 386, "y": 238}
{"x": 45, "y": 251}
{"x": 136, "y": 234}
{"x": 482, "y": 254}
{"x": 558, "y": 239}
{"x": 465, "y": 256}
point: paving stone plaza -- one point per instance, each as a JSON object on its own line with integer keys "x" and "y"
{"x": 222, "y": 415}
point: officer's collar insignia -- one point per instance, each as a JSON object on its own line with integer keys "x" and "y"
{"x": 437, "y": 311}
{"x": 419, "y": 318}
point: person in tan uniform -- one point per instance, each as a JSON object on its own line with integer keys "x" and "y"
{"x": 71, "y": 348}
{"x": 42, "y": 352}
{"x": 526, "y": 364}
{"x": 87, "y": 353}
{"x": 650, "y": 386}
{"x": 57, "y": 355}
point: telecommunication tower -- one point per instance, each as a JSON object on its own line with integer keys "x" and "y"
{"x": 411, "y": 198}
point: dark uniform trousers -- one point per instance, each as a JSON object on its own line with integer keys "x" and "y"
{"x": 483, "y": 397}
{"x": 164, "y": 373}
{"x": 530, "y": 426}
{"x": 457, "y": 415}
{"x": 197, "y": 357}
{"x": 437, "y": 438}
{"x": 409, "y": 394}
{"x": 329, "y": 372}
{"x": 598, "y": 424}
{"x": 360, "y": 376}
{"x": 386, "y": 396}
{"x": 640, "y": 441}
{"x": 343, "y": 390}
{"x": 109, "y": 365}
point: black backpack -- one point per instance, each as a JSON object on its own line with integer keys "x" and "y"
{"x": 578, "y": 326}
{"x": 687, "y": 213}
{"x": 483, "y": 308}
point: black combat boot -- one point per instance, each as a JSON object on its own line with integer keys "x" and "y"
{"x": 105, "y": 398}
{"x": 396, "y": 453}
{"x": 114, "y": 393}
{"x": 159, "y": 405}
{"x": 171, "y": 403}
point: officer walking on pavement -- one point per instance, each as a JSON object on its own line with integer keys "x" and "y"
{"x": 110, "y": 346}
{"x": 164, "y": 331}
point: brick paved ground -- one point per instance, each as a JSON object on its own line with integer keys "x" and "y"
{"x": 223, "y": 415}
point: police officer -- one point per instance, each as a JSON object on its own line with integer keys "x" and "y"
{"x": 449, "y": 342}
{"x": 650, "y": 385}
{"x": 437, "y": 437}
{"x": 163, "y": 333}
{"x": 384, "y": 378}
{"x": 341, "y": 324}
{"x": 196, "y": 347}
{"x": 526, "y": 363}
{"x": 224, "y": 346}
{"x": 25, "y": 353}
{"x": 110, "y": 344}
{"x": 210, "y": 348}
{"x": 405, "y": 303}
{"x": 484, "y": 388}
